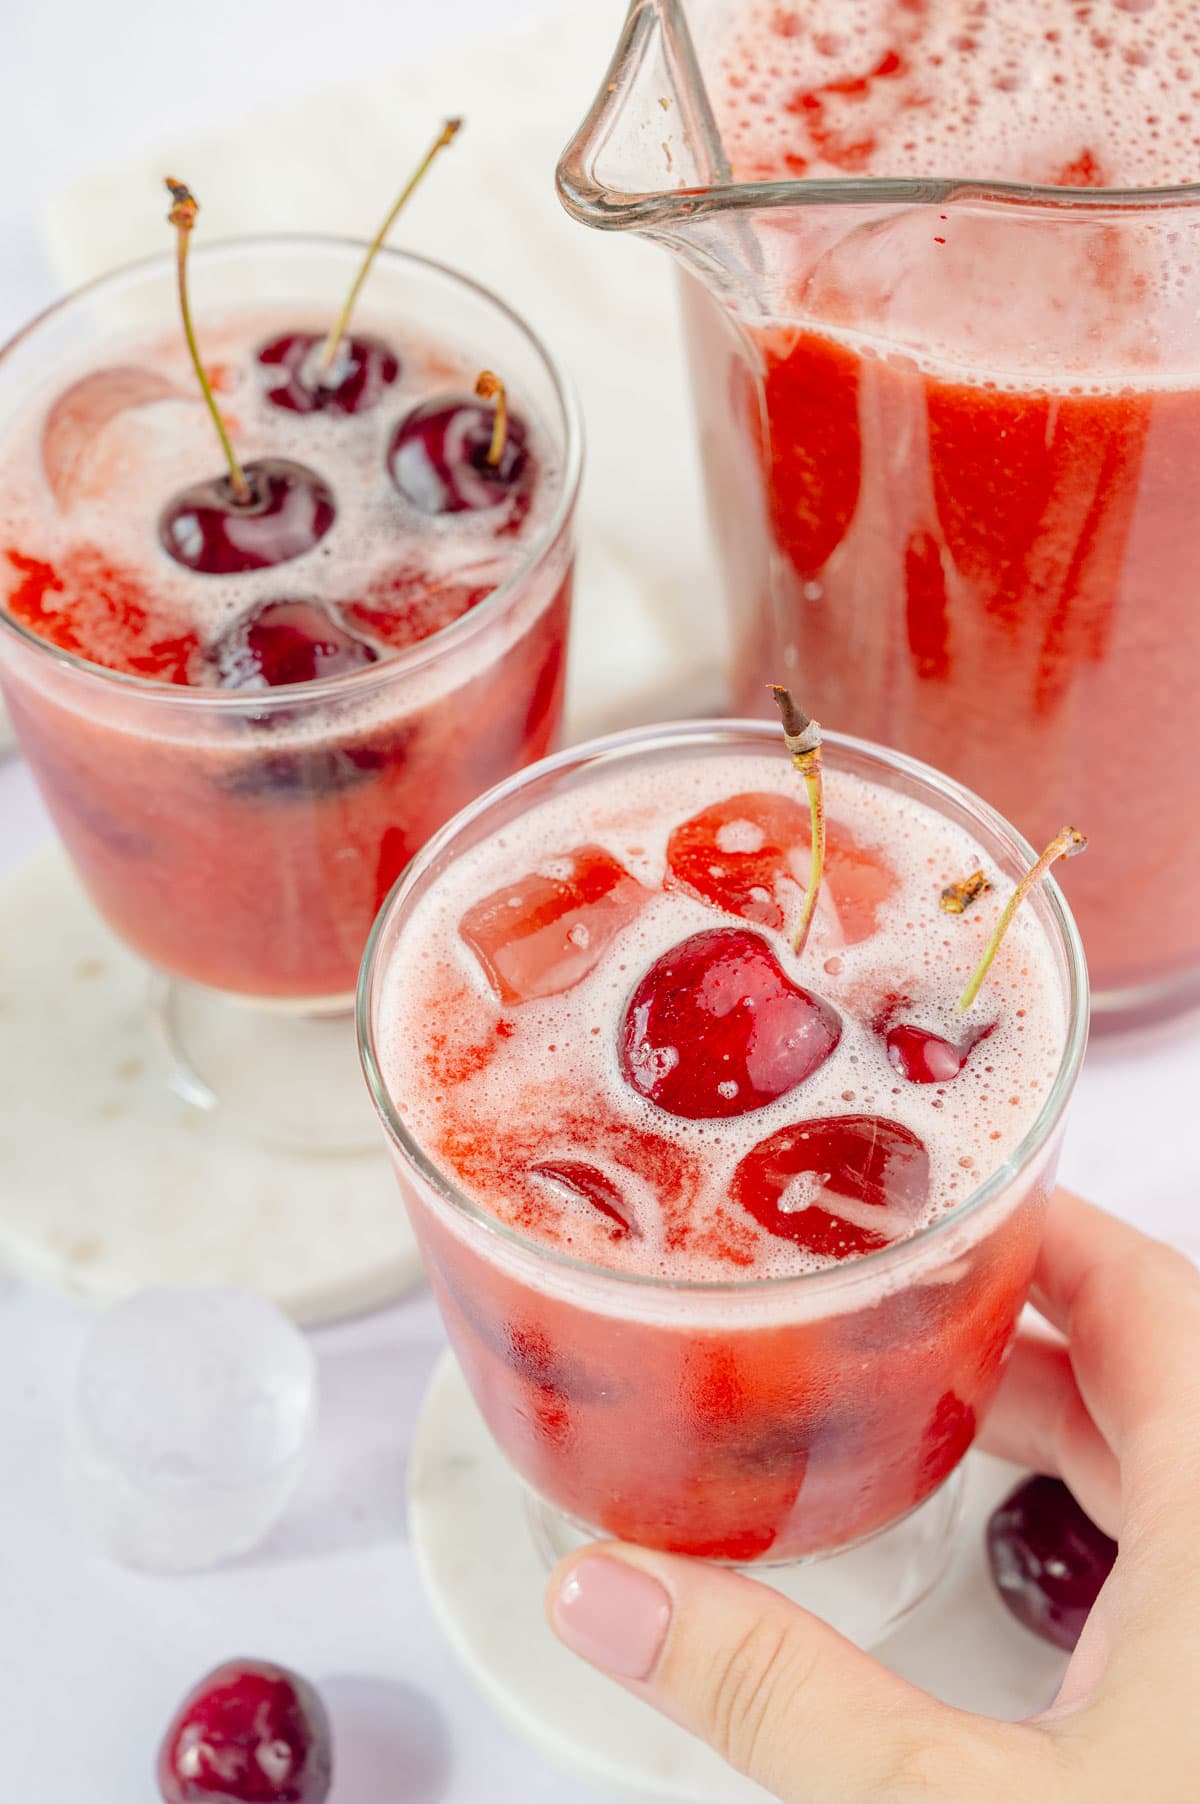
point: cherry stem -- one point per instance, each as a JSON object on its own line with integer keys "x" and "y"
{"x": 958, "y": 897}
{"x": 1065, "y": 844}
{"x": 490, "y": 388}
{"x": 803, "y": 739}
{"x": 329, "y": 355}
{"x": 184, "y": 208}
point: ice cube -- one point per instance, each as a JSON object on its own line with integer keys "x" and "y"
{"x": 527, "y": 936}
{"x": 748, "y": 855}
{"x": 190, "y": 1425}
{"x": 80, "y": 414}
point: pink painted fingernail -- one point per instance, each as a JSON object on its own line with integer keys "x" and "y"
{"x": 615, "y": 1615}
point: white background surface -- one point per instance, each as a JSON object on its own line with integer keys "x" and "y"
{"x": 92, "y": 1660}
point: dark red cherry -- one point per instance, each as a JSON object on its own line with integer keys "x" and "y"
{"x": 838, "y": 1186}
{"x": 1048, "y": 1559}
{"x": 716, "y": 1028}
{"x": 286, "y": 642}
{"x": 250, "y": 1733}
{"x": 594, "y": 1187}
{"x": 208, "y": 530}
{"x": 363, "y": 369}
{"x": 920, "y": 1055}
{"x": 438, "y": 457}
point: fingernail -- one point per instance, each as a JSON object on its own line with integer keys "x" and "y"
{"x": 615, "y": 1615}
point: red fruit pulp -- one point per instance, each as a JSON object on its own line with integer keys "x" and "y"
{"x": 715, "y": 1028}
{"x": 250, "y": 1733}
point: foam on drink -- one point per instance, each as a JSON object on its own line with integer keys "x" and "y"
{"x": 1091, "y": 94}
{"x": 124, "y": 467}
{"x": 489, "y": 1091}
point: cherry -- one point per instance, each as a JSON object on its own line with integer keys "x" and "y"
{"x": 440, "y": 457}
{"x": 361, "y": 371}
{"x": 286, "y": 642}
{"x": 250, "y": 1733}
{"x": 592, "y": 1186}
{"x": 918, "y": 1054}
{"x": 1048, "y": 1559}
{"x": 250, "y": 518}
{"x": 288, "y": 510}
{"x": 818, "y": 1183}
{"x": 715, "y": 1028}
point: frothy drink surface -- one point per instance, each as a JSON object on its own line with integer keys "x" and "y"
{"x": 90, "y": 465}
{"x": 1105, "y": 94}
{"x": 500, "y": 1075}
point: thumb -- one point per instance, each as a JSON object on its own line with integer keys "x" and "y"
{"x": 778, "y": 1693}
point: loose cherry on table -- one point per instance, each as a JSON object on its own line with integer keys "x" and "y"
{"x": 818, "y": 1183}
{"x": 450, "y": 456}
{"x": 286, "y": 642}
{"x": 1048, "y": 1559}
{"x": 250, "y": 1733}
{"x": 716, "y": 1028}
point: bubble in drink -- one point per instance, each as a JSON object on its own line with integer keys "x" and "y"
{"x": 190, "y": 1425}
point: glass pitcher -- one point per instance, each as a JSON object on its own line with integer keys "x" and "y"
{"x": 951, "y": 436}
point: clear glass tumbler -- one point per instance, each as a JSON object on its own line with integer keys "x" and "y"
{"x": 766, "y": 1421}
{"x": 242, "y": 841}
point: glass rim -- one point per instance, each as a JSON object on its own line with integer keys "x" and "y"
{"x": 424, "y": 651}
{"x": 593, "y": 204}
{"x": 702, "y": 733}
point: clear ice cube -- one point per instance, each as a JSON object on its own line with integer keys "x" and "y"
{"x": 190, "y": 1425}
{"x": 544, "y": 933}
{"x": 77, "y": 419}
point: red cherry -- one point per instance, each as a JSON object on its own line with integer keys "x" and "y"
{"x": 918, "y": 1054}
{"x": 208, "y": 530}
{"x": 362, "y": 369}
{"x": 250, "y": 1733}
{"x": 715, "y": 1028}
{"x": 438, "y": 458}
{"x": 592, "y": 1186}
{"x": 1048, "y": 1559}
{"x": 286, "y": 642}
{"x": 819, "y": 1183}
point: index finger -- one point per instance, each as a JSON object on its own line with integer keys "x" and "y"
{"x": 1129, "y": 1307}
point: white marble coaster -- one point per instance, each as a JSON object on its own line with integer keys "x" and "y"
{"x": 110, "y": 1183}
{"x": 485, "y": 1580}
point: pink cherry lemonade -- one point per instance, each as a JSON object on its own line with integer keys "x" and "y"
{"x": 710, "y": 1294}
{"x": 236, "y": 835}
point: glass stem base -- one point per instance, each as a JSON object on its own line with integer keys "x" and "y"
{"x": 285, "y": 1074}
{"x": 864, "y": 1591}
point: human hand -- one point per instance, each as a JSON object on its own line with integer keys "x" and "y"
{"x": 1111, "y": 1404}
